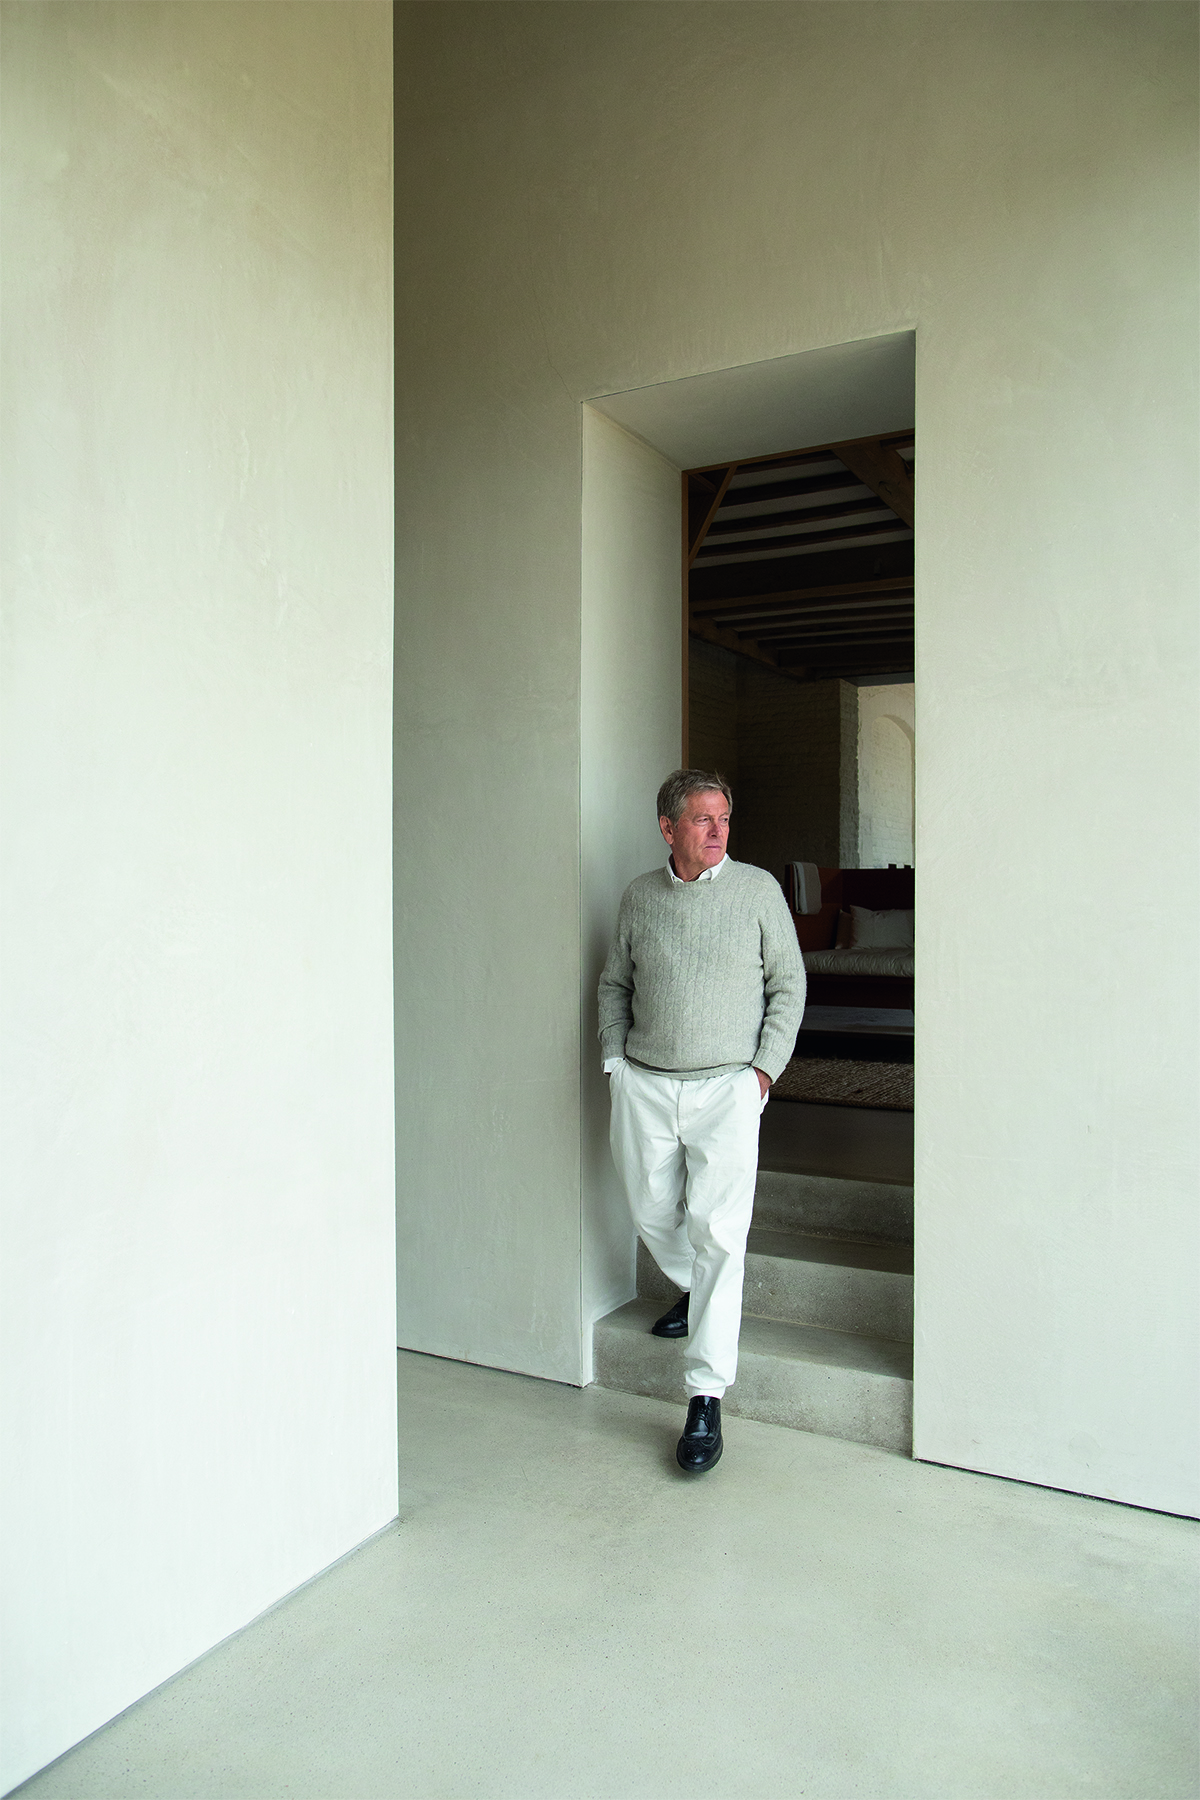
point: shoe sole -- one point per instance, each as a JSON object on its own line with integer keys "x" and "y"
{"x": 672, "y": 1332}
{"x": 691, "y": 1469}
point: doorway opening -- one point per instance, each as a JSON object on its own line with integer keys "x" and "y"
{"x": 797, "y": 649}
{"x": 799, "y": 688}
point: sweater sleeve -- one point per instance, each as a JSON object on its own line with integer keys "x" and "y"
{"x": 783, "y": 985}
{"x": 616, "y": 989}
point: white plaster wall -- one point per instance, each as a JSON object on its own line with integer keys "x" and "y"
{"x": 198, "y": 1307}
{"x": 597, "y": 197}
{"x": 630, "y": 705}
{"x": 886, "y": 768}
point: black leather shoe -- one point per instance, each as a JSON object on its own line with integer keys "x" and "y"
{"x": 673, "y": 1323}
{"x": 701, "y": 1445}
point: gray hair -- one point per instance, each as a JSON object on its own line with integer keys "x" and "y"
{"x": 678, "y": 789}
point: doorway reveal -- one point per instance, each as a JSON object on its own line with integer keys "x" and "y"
{"x": 797, "y": 617}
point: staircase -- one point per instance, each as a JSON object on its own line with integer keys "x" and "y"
{"x": 826, "y": 1340}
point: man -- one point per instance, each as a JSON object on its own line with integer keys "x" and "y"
{"x": 700, "y": 1002}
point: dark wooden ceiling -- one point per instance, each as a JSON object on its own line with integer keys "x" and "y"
{"x": 804, "y": 560}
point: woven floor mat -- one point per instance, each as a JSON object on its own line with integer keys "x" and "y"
{"x": 830, "y": 1081}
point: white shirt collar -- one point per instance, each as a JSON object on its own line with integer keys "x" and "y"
{"x": 704, "y": 875}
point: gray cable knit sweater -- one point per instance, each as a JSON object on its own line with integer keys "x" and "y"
{"x": 703, "y": 976}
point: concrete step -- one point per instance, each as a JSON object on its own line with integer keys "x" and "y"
{"x": 878, "y": 1212}
{"x": 854, "y": 1143}
{"x": 836, "y": 1284}
{"x": 839, "y": 1383}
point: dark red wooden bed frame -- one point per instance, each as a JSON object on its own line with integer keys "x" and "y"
{"x": 883, "y": 890}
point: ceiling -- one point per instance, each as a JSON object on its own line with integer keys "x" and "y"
{"x": 804, "y": 560}
{"x": 813, "y": 397}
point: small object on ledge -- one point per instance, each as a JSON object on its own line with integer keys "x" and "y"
{"x": 806, "y": 887}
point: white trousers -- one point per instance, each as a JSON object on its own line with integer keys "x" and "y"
{"x": 687, "y": 1152}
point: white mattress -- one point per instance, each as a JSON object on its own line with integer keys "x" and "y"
{"x": 859, "y": 962}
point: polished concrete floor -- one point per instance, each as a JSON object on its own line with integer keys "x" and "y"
{"x": 560, "y": 1614}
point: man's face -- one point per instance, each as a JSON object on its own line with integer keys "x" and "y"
{"x": 700, "y": 834}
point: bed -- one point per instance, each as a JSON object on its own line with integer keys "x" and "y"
{"x": 840, "y": 971}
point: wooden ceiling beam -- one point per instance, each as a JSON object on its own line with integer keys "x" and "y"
{"x": 728, "y": 640}
{"x": 842, "y": 617}
{"x": 884, "y": 643}
{"x": 847, "y": 655}
{"x": 833, "y": 483}
{"x": 870, "y": 634}
{"x": 870, "y": 626}
{"x": 866, "y": 676}
{"x": 882, "y": 470}
{"x": 870, "y": 503}
{"x": 840, "y": 565}
{"x": 851, "y": 607}
{"x": 807, "y": 539}
{"x": 838, "y": 590}
{"x": 701, "y": 533}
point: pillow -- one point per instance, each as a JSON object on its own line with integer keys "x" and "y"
{"x": 880, "y": 930}
{"x": 845, "y": 931}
